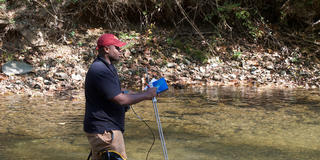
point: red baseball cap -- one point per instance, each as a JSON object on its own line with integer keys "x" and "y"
{"x": 108, "y": 40}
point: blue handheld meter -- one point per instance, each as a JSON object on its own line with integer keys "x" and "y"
{"x": 161, "y": 85}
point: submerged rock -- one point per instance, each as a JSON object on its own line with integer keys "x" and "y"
{"x": 16, "y": 67}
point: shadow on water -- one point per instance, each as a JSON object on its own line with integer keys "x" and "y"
{"x": 207, "y": 124}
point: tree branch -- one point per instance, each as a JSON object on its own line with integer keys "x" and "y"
{"x": 195, "y": 27}
{"x": 44, "y": 7}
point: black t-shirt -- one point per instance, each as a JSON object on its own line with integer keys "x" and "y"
{"x": 101, "y": 85}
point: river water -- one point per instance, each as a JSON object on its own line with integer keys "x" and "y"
{"x": 212, "y": 124}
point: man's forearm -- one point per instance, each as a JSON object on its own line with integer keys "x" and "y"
{"x": 135, "y": 98}
{"x": 128, "y": 99}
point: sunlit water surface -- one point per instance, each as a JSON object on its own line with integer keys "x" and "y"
{"x": 212, "y": 124}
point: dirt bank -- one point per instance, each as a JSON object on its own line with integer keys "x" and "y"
{"x": 61, "y": 68}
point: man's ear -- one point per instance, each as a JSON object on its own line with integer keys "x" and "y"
{"x": 106, "y": 50}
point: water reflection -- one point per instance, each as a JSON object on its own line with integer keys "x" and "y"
{"x": 211, "y": 124}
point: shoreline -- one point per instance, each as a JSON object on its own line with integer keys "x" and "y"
{"x": 72, "y": 93}
{"x": 62, "y": 67}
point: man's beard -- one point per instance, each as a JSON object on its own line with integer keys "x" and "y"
{"x": 113, "y": 60}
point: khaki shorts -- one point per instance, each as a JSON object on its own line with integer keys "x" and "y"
{"x": 110, "y": 140}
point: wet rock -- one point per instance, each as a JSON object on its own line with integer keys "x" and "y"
{"x": 16, "y": 67}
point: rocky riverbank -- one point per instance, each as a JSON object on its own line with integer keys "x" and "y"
{"x": 61, "y": 68}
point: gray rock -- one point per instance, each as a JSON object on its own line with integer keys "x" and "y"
{"x": 242, "y": 77}
{"x": 197, "y": 77}
{"x": 16, "y": 67}
{"x": 283, "y": 73}
{"x": 187, "y": 62}
{"x": 202, "y": 70}
{"x": 207, "y": 75}
{"x": 61, "y": 75}
{"x": 217, "y": 77}
{"x": 214, "y": 65}
{"x": 270, "y": 66}
{"x": 47, "y": 82}
{"x": 233, "y": 76}
{"x": 76, "y": 77}
{"x": 37, "y": 86}
{"x": 171, "y": 65}
{"x": 302, "y": 72}
{"x": 18, "y": 82}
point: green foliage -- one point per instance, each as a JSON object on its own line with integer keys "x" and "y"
{"x": 222, "y": 12}
{"x": 198, "y": 55}
{"x": 72, "y": 33}
{"x": 12, "y": 21}
{"x": 80, "y": 44}
{"x": 7, "y": 56}
{"x": 295, "y": 57}
{"x": 236, "y": 55}
{"x": 243, "y": 14}
{"x": 233, "y": 13}
{"x": 61, "y": 1}
{"x": 245, "y": 17}
{"x": 128, "y": 36}
{"x": 169, "y": 41}
{"x": 228, "y": 7}
{"x": 194, "y": 54}
{"x": 300, "y": 13}
{"x": 178, "y": 44}
{"x": 294, "y": 60}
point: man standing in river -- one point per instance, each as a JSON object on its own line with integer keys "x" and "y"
{"x": 106, "y": 103}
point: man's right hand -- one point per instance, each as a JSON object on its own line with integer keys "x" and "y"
{"x": 151, "y": 92}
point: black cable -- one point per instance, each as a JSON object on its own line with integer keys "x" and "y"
{"x": 154, "y": 137}
{"x": 90, "y": 154}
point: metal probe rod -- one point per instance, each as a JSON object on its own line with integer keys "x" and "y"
{"x": 163, "y": 142}
{"x": 156, "y": 112}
